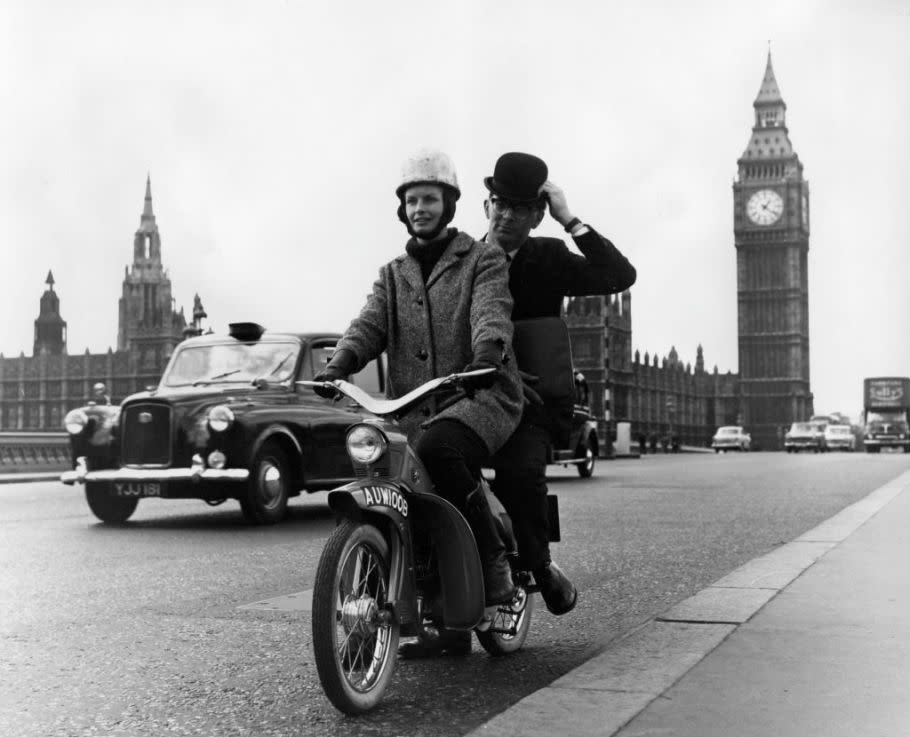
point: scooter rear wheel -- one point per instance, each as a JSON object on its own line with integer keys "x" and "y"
{"x": 354, "y": 642}
{"x": 509, "y": 628}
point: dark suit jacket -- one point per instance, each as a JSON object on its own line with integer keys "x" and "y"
{"x": 544, "y": 271}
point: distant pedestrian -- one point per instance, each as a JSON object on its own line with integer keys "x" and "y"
{"x": 99, "y": 394}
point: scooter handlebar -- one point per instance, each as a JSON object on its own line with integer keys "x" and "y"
{"x": 399, "y": 405}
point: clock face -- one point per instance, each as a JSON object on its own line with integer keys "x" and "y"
{"x": 765, "y": 207}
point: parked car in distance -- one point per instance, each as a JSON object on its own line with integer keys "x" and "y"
{"x": 226, "y": 421}
{"x": 731, "y": 437}
{"x": 840, "y": 437}
{"x": 806, "y": 436}
{"x": 584, "y": 443}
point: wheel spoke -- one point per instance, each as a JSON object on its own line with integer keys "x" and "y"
{"x": 364, "y": 646}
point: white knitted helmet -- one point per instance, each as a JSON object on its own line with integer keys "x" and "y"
{"x": 428, "y": 166}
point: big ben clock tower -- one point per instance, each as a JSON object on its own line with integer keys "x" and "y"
{"x": 771, "y": 232}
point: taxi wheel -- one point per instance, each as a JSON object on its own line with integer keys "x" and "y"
{"x": 107, "y": 508}
{"x": 266, "y": 499}
{"x": 586, "y": 469}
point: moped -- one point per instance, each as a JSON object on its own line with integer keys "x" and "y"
{"x": 401, "y": 559}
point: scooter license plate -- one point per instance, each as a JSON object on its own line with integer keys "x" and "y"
{"x": 137, "y": 489}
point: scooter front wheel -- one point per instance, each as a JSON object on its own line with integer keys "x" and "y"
{"x": 355, "y": 642}
{"x": 508, "y": 630}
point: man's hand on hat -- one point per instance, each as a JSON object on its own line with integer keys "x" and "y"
{"x": 556, "y": 199}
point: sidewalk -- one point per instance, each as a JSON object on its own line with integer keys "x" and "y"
{"x": 811, "y": 640}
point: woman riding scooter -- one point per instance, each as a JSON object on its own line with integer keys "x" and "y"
{"x": 443, "y": 307}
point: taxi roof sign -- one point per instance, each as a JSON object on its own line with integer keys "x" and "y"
{"x": 245, "y": 330}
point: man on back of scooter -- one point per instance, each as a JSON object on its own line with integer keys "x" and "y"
{"x": 542, "y": 272}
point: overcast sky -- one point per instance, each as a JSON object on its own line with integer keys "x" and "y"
{"x": 274, "y": 134}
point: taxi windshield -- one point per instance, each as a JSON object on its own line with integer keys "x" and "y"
{"x": 198, "y": 365}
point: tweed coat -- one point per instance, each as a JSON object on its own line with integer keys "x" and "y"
{"x": 430, "y": 330}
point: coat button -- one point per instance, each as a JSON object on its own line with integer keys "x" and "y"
{"x": 423, "y": 355}
{"x": 420, "y": 300}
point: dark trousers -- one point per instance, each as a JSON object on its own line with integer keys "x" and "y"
{"x": 521, "y": 486}
{"x": 453, "y": 455}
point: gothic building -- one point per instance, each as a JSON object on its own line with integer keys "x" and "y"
{"x": 50, "y": 327}
{"x": 37, "y": 391}
{"x": 657, "y": 397}
{"x": 771, "y": 233}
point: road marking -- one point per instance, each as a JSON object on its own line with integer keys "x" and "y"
{"x": 301, "y": 601}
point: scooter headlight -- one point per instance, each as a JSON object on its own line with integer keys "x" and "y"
{"x": 75, "y": 421}
{"x": 220, "y": 418}
{"x": 366, "y": 444}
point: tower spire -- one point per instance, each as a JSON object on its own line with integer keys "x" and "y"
{"x": 147, "y": 210}
{"x": 50, "y": 279}
{"x": 769, "y": 92}
{"x": 147, "y": 219}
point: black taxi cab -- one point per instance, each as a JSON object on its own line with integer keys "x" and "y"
{"x": 226, "y": 421}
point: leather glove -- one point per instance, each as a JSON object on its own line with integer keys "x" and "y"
{"x": 487, "y": 355}
{"x": 473, "y": 383}
{"x": 341, "y": 365}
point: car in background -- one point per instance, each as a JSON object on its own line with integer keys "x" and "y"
{"x": 731, "y": 437}
{"x": 840, "y": 437}
{"x": 226, "y": 421}
{"x": 806, "y": 436}
{"x": 584, "y": 443}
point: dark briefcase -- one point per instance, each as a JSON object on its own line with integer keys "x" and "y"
{"x": 542, "y": 348}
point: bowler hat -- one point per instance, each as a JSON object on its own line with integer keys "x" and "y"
{"x": 517, "y": 177}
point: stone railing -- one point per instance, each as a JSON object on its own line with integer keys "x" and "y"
{"x": 24, "y": 452}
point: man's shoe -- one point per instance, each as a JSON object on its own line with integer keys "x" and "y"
{"x": 559, "y": 594}
{"x": 434, "y": 643}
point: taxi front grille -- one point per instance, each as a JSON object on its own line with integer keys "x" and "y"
{"x": 146, "y": 433}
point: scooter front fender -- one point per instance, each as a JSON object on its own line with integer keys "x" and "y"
{"x": 384, "y": 505}
{"x": 460, "y": 570}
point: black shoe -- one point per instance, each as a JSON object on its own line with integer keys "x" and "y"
{"x": 559, "y": 594}
{"x": 497, "y": 581}
{"x": 433, "y": 643}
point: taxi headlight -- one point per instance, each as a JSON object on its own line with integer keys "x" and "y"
{"x": 217, "y": 459}
{"x": 75, "y": 421}
{"x": 365, "y": 444}
{"x": 220, "y": 418}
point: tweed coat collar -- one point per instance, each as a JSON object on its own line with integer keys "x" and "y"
{"x": 456, "y": 250}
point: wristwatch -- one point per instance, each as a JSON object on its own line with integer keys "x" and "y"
{"x": 572, "y": 224}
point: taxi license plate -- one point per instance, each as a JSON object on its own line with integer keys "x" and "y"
{"x": 137, "y": 488}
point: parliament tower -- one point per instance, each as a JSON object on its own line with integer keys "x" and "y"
{"x": 149, "y": 324}
{"x": 771, "y": 233}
